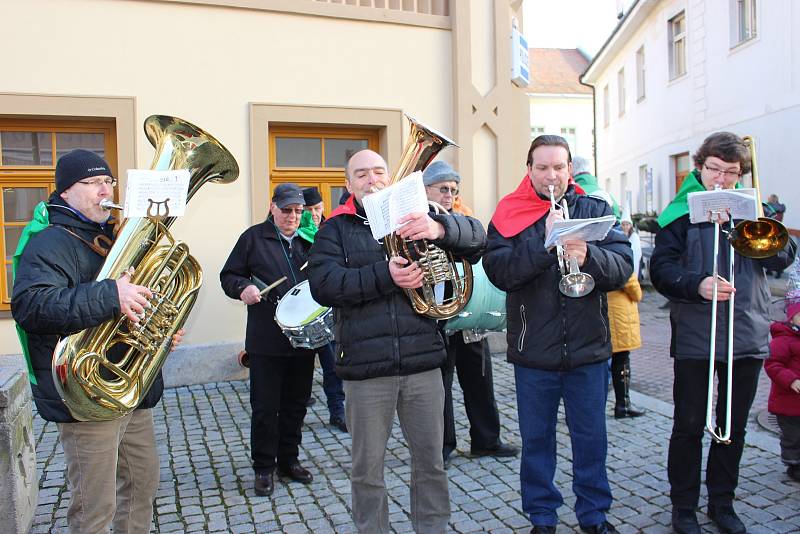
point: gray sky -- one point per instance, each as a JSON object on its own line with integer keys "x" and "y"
{"x": 582, "y": 24}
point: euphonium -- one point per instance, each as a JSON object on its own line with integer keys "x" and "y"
{"x": 103, "y": 373}
{"x": 422, "y": 146}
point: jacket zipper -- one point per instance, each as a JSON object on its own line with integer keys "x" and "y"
{"x": 521, "y": 340}
{"x": 603, "y": 320}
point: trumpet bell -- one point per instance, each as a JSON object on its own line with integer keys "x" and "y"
{"x": 759, "y": 239}
{"x": 576, "y": 285}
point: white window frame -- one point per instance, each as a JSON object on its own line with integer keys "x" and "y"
{"x": 621, "y": 91}
{"x": 744, "y": 21}
{"x": 606, "y": 107}
{"x": 570, "y": 134}
{"x": 640, "y": 75}
{"x": 536, "y": 131}
{"x": 677, "y": 46}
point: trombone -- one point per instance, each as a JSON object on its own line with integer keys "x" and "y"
{"x": 761, "y": 238}
{"x": 573, "y": 282}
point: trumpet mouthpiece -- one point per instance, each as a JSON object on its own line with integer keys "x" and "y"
{"x": 109, "y": 205}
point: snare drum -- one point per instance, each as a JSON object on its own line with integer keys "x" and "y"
{"x": 307, "y": 324}
{"x": 486, "y": 309}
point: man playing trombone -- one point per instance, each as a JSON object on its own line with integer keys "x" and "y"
{"x": 558, "y": 337}
{"x": 681, "y": 269}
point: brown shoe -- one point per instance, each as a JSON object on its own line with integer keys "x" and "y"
{"x": 265, "y": 484}
{"x": 296, "y": 472}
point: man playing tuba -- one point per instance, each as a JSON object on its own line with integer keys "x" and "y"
{"x": 391, "y": 356}
{"x": 56, "y": 294}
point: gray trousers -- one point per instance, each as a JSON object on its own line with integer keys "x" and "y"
{"x": 419, "y": 402}
{"x": 790, "y": 439}
{"x": 112, "y": 468}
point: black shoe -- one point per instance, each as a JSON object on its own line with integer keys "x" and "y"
{"x": 265, "y": 484}
{"x": 311, "y": 402}
{"x": 621, "y": 412}
{"x": 502, "y": 450}
{"x": 296, "y": 472}
{"x": 794, "y": 472}
{"x": 602, "y": 528}
{"x": 339, "y": 422}
{"x": 538, "y": 529}
{"x": 684, "y": 521}
{"x": 726, "y": 519}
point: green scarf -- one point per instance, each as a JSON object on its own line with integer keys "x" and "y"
{"x": 39, "y": 222}
{"x": 589, "y": 184}
{"x": 307, "y": 229}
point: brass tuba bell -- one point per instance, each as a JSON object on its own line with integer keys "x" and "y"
{"x": 422, "y": 146}
{"x": 103, "y": 373}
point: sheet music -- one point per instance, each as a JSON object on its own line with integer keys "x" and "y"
{"x": 741, "y": 203}
{"x": 385, "y": 207}
{"x": 163, "y": 188}
{"x": 594, "y": 229}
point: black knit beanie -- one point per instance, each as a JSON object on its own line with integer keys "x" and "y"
{"x": 77, "y": 165}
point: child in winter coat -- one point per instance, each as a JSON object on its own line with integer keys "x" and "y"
{"x": 783, "y": 368}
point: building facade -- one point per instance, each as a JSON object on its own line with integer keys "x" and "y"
{"x": 559, "y": 103}
{"x": 675, "y": 71}
{"x": 287, "y": 86}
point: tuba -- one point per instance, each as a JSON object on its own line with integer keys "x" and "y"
{"x": 422, "y": 146}
{"x": 103, "y": 373}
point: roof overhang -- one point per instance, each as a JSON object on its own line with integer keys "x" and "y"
{"x": 630, "y": 23}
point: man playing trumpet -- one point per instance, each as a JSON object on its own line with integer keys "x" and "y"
{"x": 559, "y": 345}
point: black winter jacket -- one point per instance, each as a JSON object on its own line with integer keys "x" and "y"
{"x": 547, "y": 330}
{"x": 682, "y": 258}
{"x": 262, "y": 253}
{"x": 377, "y": 329}
{"x": 55, "y": 294}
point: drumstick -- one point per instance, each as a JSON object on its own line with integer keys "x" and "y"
{"x": 277, "y": 282}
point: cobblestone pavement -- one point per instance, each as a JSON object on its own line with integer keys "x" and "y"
{"x": 206, "y": 479}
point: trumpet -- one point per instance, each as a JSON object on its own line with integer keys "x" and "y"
{"x": 573, "y": 283}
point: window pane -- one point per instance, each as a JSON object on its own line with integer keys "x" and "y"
{"x": 9, "y": 282}
{"x": 336, "y": 150}
{"x": 336, "y": 194}
{"x": 298, "y": 152}
{"x": 12, "y": 238}
{"x": 26, "y": 148}
{"x": 683, "y": 163}
{"x": 18, "y": 202}
{"x": 66, "y": 141}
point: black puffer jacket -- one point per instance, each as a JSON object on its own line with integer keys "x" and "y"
{"x": 547, "y": 330}
{"x": 260, "y": 252}
{"x": 55, "y": 295}
{"x": 682, "y": 258}
{"x": 379, "y": 332}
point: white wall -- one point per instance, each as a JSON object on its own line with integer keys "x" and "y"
{"x": 554, "y": 112}
{"x": 753, "y": 89}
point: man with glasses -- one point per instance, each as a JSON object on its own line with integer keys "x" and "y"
{"x": 280, "y": 375}
{"x": 112, "y": 466}
{"x": 681, "y": 269}
{"x": 467, "y": 353}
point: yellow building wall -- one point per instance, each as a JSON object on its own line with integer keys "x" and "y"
{"x": 207, "y": 64}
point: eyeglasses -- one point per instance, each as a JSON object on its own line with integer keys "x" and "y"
{"x": 716, "y": 172}
{"x": 290, "y": 211}
{"x": 97, "y": 183}
{"x": 444, "y": 190}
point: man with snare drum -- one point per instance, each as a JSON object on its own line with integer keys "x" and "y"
{"x": 280, "y": 375}
{"x": 467, "y": 354}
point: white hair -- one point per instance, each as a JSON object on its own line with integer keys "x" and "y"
{"x": 581, "y": 164}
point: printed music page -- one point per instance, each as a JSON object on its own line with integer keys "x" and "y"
{"x": 156, "y": 191}
{"x": 594, "y": 229}
{"x": 385, "y": 207}
{"x": 741, "y": 203}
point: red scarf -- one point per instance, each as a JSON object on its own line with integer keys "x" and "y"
{"x": 522, "y": 208}
{"x": 348, "y": 208}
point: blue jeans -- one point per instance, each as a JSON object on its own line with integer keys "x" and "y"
{"x": 331, "y": 384}
{"x": 538, "y": 396}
